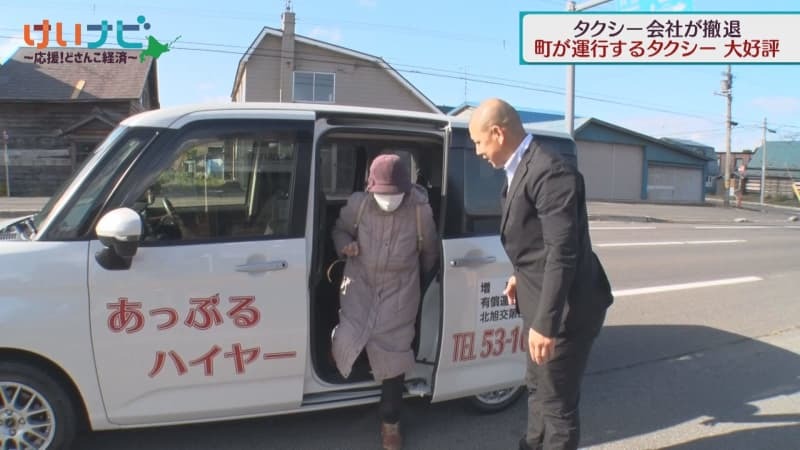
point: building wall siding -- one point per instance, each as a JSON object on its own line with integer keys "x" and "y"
{"x": 40, "y": 158}
{"x": 611, "y": 171}
{"x": 357, "y": 82}
{"x": 262, "y": 76}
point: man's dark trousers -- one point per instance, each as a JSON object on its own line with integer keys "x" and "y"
{"x": 554, "y": 392}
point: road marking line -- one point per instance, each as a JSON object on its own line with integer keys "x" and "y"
{"x": 725, "y": 241}
{"x": 621, "y": 228}
{"x": 731, "y": 227}
{"x": 684, "y": 286}
{"x": 662, "y": 243}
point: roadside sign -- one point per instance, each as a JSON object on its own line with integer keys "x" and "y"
{"x": 654, "y": 5}
{"x": 796, "y": 188}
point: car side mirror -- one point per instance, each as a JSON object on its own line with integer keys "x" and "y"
{"x": 119, "y": 231}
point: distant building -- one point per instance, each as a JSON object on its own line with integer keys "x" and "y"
{"x": 783, "y": 167}
{"x": 738, "y": 159}
{"x": 527, "y": 115}
{"x": 55, "y": 114}
{"x": 619, "y": 164}
{"x": 281, "y": 66}
{"x": 712, "y": 166}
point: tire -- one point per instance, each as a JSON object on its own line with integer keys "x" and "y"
{"x": 496, "y": 401}
{"x": 25, "y": 388}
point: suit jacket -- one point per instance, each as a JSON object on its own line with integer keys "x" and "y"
{"x": 562, "y": 288}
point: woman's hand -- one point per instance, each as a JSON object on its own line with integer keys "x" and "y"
{"x": 350, "y": 249}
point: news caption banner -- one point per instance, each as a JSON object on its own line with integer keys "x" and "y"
{"x": 498, "y": 328}
{"x": 659, "y": 37}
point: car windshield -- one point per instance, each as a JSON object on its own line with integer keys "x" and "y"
{"x": 77, "y": 175}
{"x": 64, "y": 216}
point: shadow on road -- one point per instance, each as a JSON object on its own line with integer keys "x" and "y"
{"x": 766, "y": 438}
{"x": 642, "y": 379}
{"x": 447, "y": 425}
{"x": 645, "y": 378}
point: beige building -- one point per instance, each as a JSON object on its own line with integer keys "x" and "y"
{"x": 281, "y": 66}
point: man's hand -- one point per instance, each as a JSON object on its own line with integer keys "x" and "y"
{"x": 541, "y": 347}
{"x": 350, "y": 249}
{"x": 511, "y": 290}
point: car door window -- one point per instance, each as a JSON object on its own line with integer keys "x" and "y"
{"x": 230, "y": 186}
{"x": 474, "y": 194}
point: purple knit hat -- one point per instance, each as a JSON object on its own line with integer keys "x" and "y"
{"x": 388, "y": 175}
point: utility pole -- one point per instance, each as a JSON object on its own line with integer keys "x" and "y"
{"x": 5, "y": 162}
{"x": 726, "y": 91}
{"x": 763, "y": 187}
{"x": 569, "y": 113}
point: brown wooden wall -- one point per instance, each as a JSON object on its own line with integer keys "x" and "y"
{"x": 41, "y": 156}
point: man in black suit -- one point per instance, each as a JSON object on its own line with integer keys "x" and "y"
{"x": 558, "y": 285}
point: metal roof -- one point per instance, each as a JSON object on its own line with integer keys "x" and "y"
{"x": 23, "y": 80}
{"x": 782, "y": 157}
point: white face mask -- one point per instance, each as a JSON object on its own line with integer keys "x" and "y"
{"x": 388, "y": 202}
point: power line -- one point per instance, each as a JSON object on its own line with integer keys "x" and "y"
{"x": 449, "y": 74}
{"x": 421, "y": 70}
{"x": 425, "y": 71}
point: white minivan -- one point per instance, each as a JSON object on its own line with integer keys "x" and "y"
{"x": 185, "y": 274}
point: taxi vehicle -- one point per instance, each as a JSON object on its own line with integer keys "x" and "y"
{"x": 184, "y": 273}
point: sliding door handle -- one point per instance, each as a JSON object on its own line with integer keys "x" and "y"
{"x": 267, "y": 266}
{"x": 472, "y": 261}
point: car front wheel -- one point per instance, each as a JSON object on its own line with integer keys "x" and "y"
{"x": 35, "y": 411}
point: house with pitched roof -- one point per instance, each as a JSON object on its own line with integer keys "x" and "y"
{"x": 56, "y": 110}
{"x": 282, "y": 66}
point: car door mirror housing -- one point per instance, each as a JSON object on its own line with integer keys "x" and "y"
{"x": 119, "y": 231}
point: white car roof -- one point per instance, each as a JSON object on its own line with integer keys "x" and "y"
{"x": 177, "y": 116}
{"x": 170, "y": 117}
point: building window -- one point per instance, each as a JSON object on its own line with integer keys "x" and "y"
{"x": 315, "y": 87}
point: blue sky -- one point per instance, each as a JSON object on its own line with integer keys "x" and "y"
{"x": 436, "y": 45}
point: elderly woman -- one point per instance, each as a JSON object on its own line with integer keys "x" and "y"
{"x": 387, "y": 235}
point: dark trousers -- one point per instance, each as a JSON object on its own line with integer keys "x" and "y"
{"x": 391, "y": 399}
{"x": 554, "y": 393}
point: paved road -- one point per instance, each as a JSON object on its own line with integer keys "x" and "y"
{"x": 710, "y": 212}
{"x": 704, "y": 367}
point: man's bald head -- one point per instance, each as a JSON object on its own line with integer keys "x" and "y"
{"x": 495, "y": 111}
{"x": 496, "y": 130}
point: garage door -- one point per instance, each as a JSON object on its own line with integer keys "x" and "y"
{"x": 611, "y": 171}
{"x": 674, "y": 184}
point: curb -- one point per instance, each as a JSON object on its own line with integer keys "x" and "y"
{"x": 758, "y": 207}
{"x": 622, "y": 218}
